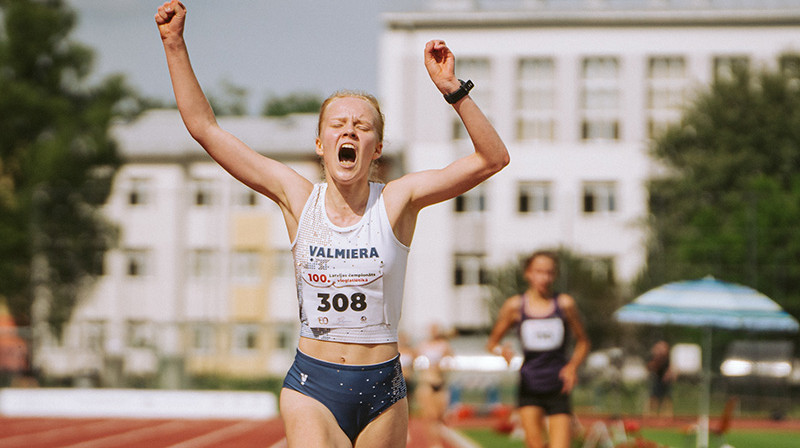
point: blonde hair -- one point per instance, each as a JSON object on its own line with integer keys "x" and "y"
{"x": 354, "y": 94}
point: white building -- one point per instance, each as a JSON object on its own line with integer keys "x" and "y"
{"x": 202, "y": 282}
{"x": 576, "y": 89}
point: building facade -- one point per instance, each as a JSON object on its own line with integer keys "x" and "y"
{"x": 577, "y": 89}
{"x": 201, "y": 281}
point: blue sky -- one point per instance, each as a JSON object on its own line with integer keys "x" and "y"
{"x": 269, "y": 47}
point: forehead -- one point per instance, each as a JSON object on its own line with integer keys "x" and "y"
{"x": 542, "y": 262}
{"x": 350, "y": 106}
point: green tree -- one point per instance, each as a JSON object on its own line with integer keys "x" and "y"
{"x": 229, "y": 100}
{"x": 57, "y": 159}
{"x": 293, "y": 103}
{"x": 729, "y": 203}
{"x": 590, "y": 281}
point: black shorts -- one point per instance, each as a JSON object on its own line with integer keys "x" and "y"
{"x": 553, "y": 403}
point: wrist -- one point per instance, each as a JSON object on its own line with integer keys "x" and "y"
{"x": 456, "y": 95}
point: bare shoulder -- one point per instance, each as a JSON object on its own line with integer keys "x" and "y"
{"x": 512, "y": 305}
{"x": 397, "y": 193}
{"x": 566, "y": 302}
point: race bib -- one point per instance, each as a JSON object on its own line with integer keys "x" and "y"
{"x": 334, "y": 298}
{"x": 540, "y": 335}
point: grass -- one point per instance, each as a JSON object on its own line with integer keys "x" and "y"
{"x": 486, "y": 437}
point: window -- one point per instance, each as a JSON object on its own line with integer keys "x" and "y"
{"x": 202, "y": 338}
{"x": 536, "y": 99}
{"x": 478, "y": 70}
{"x": 470, "y": 269}
{"x": 600, "y": 99}
{"x": 93, "y": 336}
{"x": 666, "y": 92}
{"x": 136, "y": 262}
{"x": 725, "y": 67}
{"x": 472, "y": 201}
{"x": 245, "y": 337}
{"x": 203, "y": 192}
{"x": 139, "y": 191}
{"x": 599, "y": 197}
{"x": 534, "y": 197}
{"x": 245, "y": 197}
{"x": 246, "y": 266}
{"x": 282, "y": 263}
{"x": 601, "y": 268}
{"x": 139, "y": 334}
{"x": 284, "y": 339}
{"x": 202, "y": 263}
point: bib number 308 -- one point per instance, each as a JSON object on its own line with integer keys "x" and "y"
{"x": 341, "y": 302}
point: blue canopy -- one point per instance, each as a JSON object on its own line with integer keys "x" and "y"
{"x": 708, "y": 302}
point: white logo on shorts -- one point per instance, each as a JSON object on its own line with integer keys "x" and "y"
{"x": 303, "y": 378}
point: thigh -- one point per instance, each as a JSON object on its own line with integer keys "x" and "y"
{"x": 389, "y": 429}
{"x": 560, "y": 430}
{"x": 532, "y": 420}
{"x": 309, "y": 423}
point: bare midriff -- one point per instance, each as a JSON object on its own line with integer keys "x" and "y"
{"x": 347, "y": 353}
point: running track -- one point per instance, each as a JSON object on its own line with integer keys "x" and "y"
{"x": 31, "y": 432}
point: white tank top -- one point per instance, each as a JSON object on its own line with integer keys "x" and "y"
{"x": 349, "y": 279}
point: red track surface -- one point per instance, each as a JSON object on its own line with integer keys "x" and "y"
{"x": 29, "y": 432}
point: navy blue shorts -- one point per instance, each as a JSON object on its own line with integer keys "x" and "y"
{"x": 355, "y": 394}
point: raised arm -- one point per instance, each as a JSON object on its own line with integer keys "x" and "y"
{"x": 269, "y": 177}
{"x": 490, "y": 154}
{"x": 418, "y": 190}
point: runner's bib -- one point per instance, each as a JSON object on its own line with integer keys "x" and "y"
{"x": 350, "y": 297}
{"x": 538, "y": 335}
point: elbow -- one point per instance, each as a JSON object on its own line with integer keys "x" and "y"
{"x": 500, "y": 162}
{"x": 505, "y": 160}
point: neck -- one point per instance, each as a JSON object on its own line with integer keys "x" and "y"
{"x": 345, "y": 204}
{"x": 535, "y": 294}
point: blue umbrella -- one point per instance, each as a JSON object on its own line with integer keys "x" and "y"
{"x": 707, "y": 303}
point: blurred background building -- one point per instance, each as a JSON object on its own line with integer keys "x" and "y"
{"x": 202, "y": 279}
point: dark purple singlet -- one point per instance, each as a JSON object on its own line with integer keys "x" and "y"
{"x": 544, "y": 344}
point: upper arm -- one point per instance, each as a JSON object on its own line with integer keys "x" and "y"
{"x": 573, "y": 317}
{"x": 506, "y": 318}
{"x": 430, "y": 187}
{"x": 273, "y": 179}
{"x": 409, "y": 194}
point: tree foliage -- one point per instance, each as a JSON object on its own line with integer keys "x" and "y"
{"x": 56, "y": 158}
{"x": 293, "y": 103}
{"x": 729, "y": 203}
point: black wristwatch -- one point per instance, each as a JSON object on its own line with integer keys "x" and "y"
{"x": 462, "y": 91}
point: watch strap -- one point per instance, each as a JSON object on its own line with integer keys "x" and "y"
{"x": 463, "y": 90}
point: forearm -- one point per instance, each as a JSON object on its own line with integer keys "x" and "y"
{"x": 489, "y": 147}
{"x": 194, "y": 108}
{"x": 579, "y": 354}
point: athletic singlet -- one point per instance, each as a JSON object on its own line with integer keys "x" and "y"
{"x": 349, "y": 279}
{"x": 544, "y": 344}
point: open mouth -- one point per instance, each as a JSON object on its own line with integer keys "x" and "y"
{"x": 347, "y": 153}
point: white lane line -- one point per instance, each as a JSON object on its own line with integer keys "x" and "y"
{"x": 127, "y": 437}
{"x": 55, "y": 434}
{"x": 280, "y": 444}
{"x": 219, "y": 435}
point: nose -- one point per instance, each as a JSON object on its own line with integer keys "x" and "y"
{"x": 349, "y": 130}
